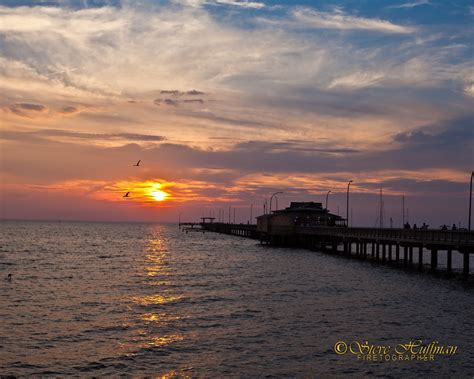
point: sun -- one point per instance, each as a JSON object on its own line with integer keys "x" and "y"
{"x": 159, "y": 195}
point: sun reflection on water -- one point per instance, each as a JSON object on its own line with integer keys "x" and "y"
{"x": 145, "y": 340}
{"x": 156, "y": 253}
{"x": 162, "y": 283}
{"x": 156, "y": 299}
{"x": 151, "y": 333}
{"x": 175, "y": 374}
{"x": 161, "y": 318}
{"x": 164, "y": 340}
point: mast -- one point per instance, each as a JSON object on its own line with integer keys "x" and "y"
{"x": 381, "y": 209}
{"x": 403, "y": 210}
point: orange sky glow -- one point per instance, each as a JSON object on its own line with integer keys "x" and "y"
{"x": 220, "y": 122}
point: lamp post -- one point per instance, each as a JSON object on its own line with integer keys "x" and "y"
{"x": 327, "y": 195}
{"x": 470, "y": 203}
{"x": 271, "y": 198}
{"x": 347, "y": 202}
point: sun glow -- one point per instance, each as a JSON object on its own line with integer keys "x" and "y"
{"x": 147, "y": 192}
{"x": 159, "y": 195}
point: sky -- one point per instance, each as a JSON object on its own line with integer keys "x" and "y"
{"x": 228, "y": 101}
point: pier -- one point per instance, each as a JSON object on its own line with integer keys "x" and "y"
{"x": 395, "y": 247}
{"x": 191, "y": 227}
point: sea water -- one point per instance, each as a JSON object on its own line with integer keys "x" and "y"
{"x": 95, "y": 299}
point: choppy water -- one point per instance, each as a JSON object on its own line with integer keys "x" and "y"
{"x": 108, "y": 299}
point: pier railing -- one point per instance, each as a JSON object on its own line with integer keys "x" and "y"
{"x": 465, "y": 238}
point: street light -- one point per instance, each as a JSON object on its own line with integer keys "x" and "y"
{"x": 271, "y": 198}
{"x": 470, "y": 203}
{"x": 347, "y": 202}
{"x": 327, "y": 195}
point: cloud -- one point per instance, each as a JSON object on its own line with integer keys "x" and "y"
{"x": 63, "y": 158}
{"x": 411, "y": 5}
{"x": 176, "y": 92}
{"x": 32, "y": 107}
{"x": 357, "y": 80}
{"x": 46, "y": 133}
{"x": 68, "y": 110}
{"x": 194, "y": 92}
{"x": 292, "y": 146}
{"x": 299, "y": 106}
{"x": 66, "y": 56}
{"x": 27, "y": 109}
{"x": 452, "y": 134}
{"x": 179, "y": 97}
{"x": 341, "y": 21}
{"x": 200, "y": 101}
{"x": 420, "y": 186}
{"x": 51, "y": 111}
{"x": 234, "y": 3}
{"x": 469, "y": 89}
{"x": 170, "y": 92}
{"x": 170, "y": 102}
{"x": 241, "y": 3}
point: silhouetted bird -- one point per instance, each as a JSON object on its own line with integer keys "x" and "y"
{"x": 126, "y": 195}
{"x": 138, "y": 163}
{"x": 9, "y": 277}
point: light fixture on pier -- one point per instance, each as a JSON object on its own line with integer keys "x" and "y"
{"x": 271, "y": 198}
{"x": 347, "y": 202}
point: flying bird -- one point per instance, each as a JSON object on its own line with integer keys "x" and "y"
{"x": 138, "y": 163}
{"x": 126, "y": 195}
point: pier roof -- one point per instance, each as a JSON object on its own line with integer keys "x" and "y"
{"x": 302, "y": 209}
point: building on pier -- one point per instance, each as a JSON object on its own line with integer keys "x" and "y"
{"x": 283, "y": 222}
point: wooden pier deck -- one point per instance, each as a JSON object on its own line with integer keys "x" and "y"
{"x": 387, "y": 246}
